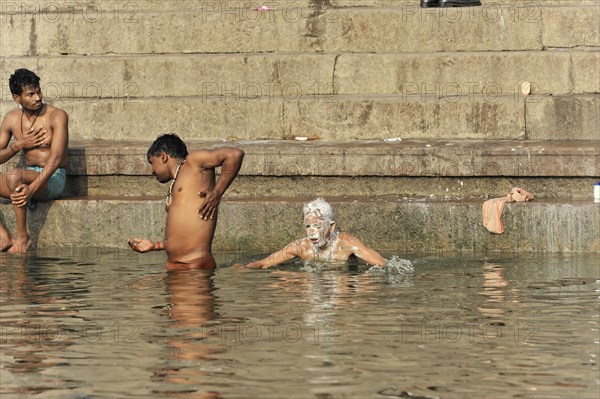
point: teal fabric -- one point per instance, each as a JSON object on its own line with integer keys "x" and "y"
{"x": 56, "y": 183}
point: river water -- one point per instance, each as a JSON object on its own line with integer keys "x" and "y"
{"x": 108, "y": 323}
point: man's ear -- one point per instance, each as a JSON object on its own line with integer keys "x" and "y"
{"x": 17, "y": 98}
{"x": 163, "y": 156}
{"x": 332, "y": 227}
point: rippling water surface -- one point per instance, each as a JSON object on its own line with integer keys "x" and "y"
{"x": 113, "y": 324}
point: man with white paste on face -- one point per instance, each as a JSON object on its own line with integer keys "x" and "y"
{"x": 323, "y": 242}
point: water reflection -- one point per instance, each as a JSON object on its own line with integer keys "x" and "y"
{"x": 323, "y": 295}
{"x": 190, "y": 312}
{"x": 494, "y": 285}
{"x": 37, "y": 309}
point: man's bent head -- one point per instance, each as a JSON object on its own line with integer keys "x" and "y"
{"x": 170, "y": 144}
{"x": 165, "y": 147}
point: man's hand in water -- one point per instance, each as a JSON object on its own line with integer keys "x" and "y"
{"x": 140, "y": 245}
{"x": 210, "y": 205}
{"x": 253, "y": 265}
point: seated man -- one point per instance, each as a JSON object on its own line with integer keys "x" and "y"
{"x": 41, "y": 131}
{"x": 323, "y": 241}
{"x": 192, "y": 201}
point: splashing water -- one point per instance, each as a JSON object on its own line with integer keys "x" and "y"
{"x": 400, "y": 265}
{"x": 396, "y": 270}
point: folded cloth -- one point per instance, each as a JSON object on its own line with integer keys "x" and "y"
{"x": 492, "y": 209}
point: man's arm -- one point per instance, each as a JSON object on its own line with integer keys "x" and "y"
{"x": 6, "y": 151}
{"x": 290, "y": 251}
{"x": 362, "y": 251}
{"x": 5, "y": 135}
{"x": 32, "y": 138}
{"x": 230, "y": 161}
{"x": 143, "y": 245}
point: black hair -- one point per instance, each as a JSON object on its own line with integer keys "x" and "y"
{"x": 22, "y": 78}
{"x": 170, "y": 144}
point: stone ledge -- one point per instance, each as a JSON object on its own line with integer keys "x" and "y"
{"x": 467, "y": 158}
{"x": 456, "y": 169}
{"x": 385, "y": 223}
{"x": 343, "y": 118}
{"x": 296, "y": 186}
{"x": 447, "y": 74}
{"x": 411, "y": 158}
{"x": 91, "y": 7}
{"x": 498, "y": 27}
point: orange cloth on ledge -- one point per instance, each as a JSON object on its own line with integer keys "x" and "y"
{"x": 492, "y": 209}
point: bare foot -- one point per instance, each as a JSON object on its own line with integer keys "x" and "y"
{"x": 20, "y": 246}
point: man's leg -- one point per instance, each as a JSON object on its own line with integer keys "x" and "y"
{"x": 22, "y": 241}
{"x": 5, "y": 238}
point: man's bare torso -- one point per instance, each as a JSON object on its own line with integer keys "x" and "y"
{"x": 187, "y": 236}
{"x": 339, "y": 249}
{"x": 19, "y": 124}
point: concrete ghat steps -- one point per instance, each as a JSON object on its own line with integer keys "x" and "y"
{"x": 496, "y": 27}
{"x": 264, "y": 224}
{"x": 424, "y": 116}
{"x": 455, "y": 158}
{"x": 231, "y": 7}
{"x": 334, "y": 70}
{"x": 314, "y": 75}
{"x": 407, "y": 168}
{"x": 252, "y": 76}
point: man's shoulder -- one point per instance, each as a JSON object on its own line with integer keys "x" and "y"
{"x": 196, "y": 152}
{"x": 347, "y": 237}
{"x": 54, "y": 111}
{"x": 300, "y": 243}
{"x": 10, "y": 122}
{"x": 13, "y": 114}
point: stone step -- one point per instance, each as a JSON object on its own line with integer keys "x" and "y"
{"x": 388, "y": 224}
{"x": 417, "y": 116}
{"x": 458, "y": 158}
{"x": 231, "y": 7}
{"x": 255, "y": 76}
{"x": 402, "y": 187}
{"x": 432, "y": 169}
{"x": 405, "y": 28}
{"x": 440, "y": 188}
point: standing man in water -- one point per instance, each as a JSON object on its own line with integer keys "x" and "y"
{"x": 42, "y": 132}
{"x": 192, "y": 200}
